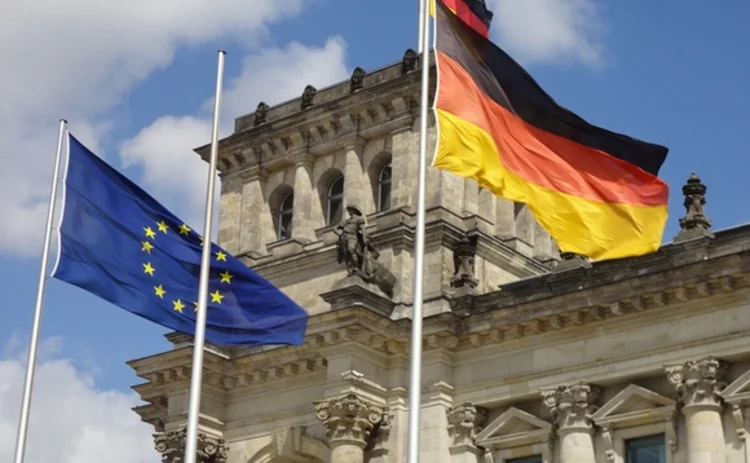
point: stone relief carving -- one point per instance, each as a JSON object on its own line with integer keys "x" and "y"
{"x": 699, "y": 382}
{"x": 409, "y": 61}
{"x": 463, "y": 262}
{"x": 572, "y": 405}
{"x": 357, "y": 81}
{"x": 351, "y": 418}
{"x": 695, "y": 224}
{"x": 308, "y": 95}
{"x": 261, "y": 114}
{"x": 465, "y": 422}
{"x": 171, "y": 446}
{"x": 355, "y": 249}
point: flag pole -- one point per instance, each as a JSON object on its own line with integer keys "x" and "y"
{"x": 415, "y": 378}
{"x": 23, "y": 421}
{"x": 422, "y": 7}
{"x": 196, "y": 377}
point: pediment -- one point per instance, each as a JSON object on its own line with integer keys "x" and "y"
{"x": 514, "y": 427}
{"x": 634, "y": 404}
{"x": 738, "y": 391}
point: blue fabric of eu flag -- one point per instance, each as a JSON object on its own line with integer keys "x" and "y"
{"x": 120, "y": 244}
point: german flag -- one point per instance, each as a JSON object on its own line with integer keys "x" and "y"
{"x": 473, "y": 13}
{"x": 595, "y": 191}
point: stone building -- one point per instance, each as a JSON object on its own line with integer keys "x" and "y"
{"x": 527, "y": 357}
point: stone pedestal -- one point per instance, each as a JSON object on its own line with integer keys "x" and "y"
{"x": 349, "y": 420}
{"x": 698, "y": 385}
{"x": 572, "y": 406}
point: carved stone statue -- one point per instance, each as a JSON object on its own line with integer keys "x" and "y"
{"x": 357, "y": 80}
{"x": 308, "y": 95}
{"x": 695, "y": 224}
{"x": 357, "y": 252}
{"x": 261, "y": 114}
{"x": 409, "y": 61}
{"x": 463, "y": 262}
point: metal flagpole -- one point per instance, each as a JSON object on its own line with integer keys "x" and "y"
{"x": 415, "y": 379}
{"x": 422, "y": 6}
{"x": 23, "y": 421}
{"x": 196, "y": 377}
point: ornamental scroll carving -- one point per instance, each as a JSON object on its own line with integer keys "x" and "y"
{"x": 699, "y": 382}
{"x": 352, "y": 419}
{"x": 171, "y": 446}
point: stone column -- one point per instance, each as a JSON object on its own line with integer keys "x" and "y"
{"x": 698, "y": 383}
{"x": 355, "y": 184}
{"x": 349, "y": 420}
{"x": 171, "y": 447}
{"x": 464, "y": 423}
{"x": 303, "y": 226}
{"x": 256, "y": 226}
{"x": 571, "y": 407}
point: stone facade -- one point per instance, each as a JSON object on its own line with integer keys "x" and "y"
{"x": 525, "y": 354}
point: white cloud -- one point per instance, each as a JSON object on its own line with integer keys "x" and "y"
{"x": 164, "y": 149}
{"x": 71, "y": 419}
{"x": 549, "y": 31}
{"x": 78, "y": 59}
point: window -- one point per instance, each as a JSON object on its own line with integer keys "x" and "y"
{"x": 384, "y": 188}
{"x": 335, "y": 201}
{"x": 284, "y": 218}
{"x": 649, "y": 449}
{"x": 532, "y": 459}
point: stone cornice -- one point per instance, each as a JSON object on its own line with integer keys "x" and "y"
{"x": 387, "y": 102}
{"x": 708, "y": 274}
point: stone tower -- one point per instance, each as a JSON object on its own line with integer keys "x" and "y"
{"x": 526, "y": 358}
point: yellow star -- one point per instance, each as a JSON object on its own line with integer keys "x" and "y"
{"x": 221, "y": 256}
{"x": 160, "y": 291}
{"x": 178, "y": 305}
{"x": 195, "y": 306}
{"x": 147, "y": 246}
{"x": 162, "y": 226}
{"x": 216, "y": 296}
{"x": 184, "y": 229}
{"x": 149, "y": 232}
{"x": 201, "y": 240}
{"x": 147, "y": 268}
{"x": 226, "y": 277}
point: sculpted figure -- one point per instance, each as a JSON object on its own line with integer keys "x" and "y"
{"x": 354, "y": 247}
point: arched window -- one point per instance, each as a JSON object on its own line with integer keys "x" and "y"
{"x": 335, "y": 201}
{"x": 384, "y": 188}
{"x": 284, "y": 217}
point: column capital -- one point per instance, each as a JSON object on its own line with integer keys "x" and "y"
{"x": 171, "y": 446}
{"x": 254, "y": 173}
{"x": 304, "y": 160}
{"x": 350, "y": 419}
{"x": 699, "y": 382}
{"x": 572, "y": 405}
{"x": 465, "y": 422}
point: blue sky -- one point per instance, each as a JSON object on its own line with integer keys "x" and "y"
{"x": 139, "y": 91}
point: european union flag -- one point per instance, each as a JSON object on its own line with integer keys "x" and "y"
{"x": 120, "y": 244}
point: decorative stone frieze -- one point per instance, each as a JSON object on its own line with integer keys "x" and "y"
{"x": 699, "y": 382}
{"x": 465, "y": 422}
{"x": 350, "y": 418}
{"x": 572, "y": 405}
{"x": 171, "y": 446}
